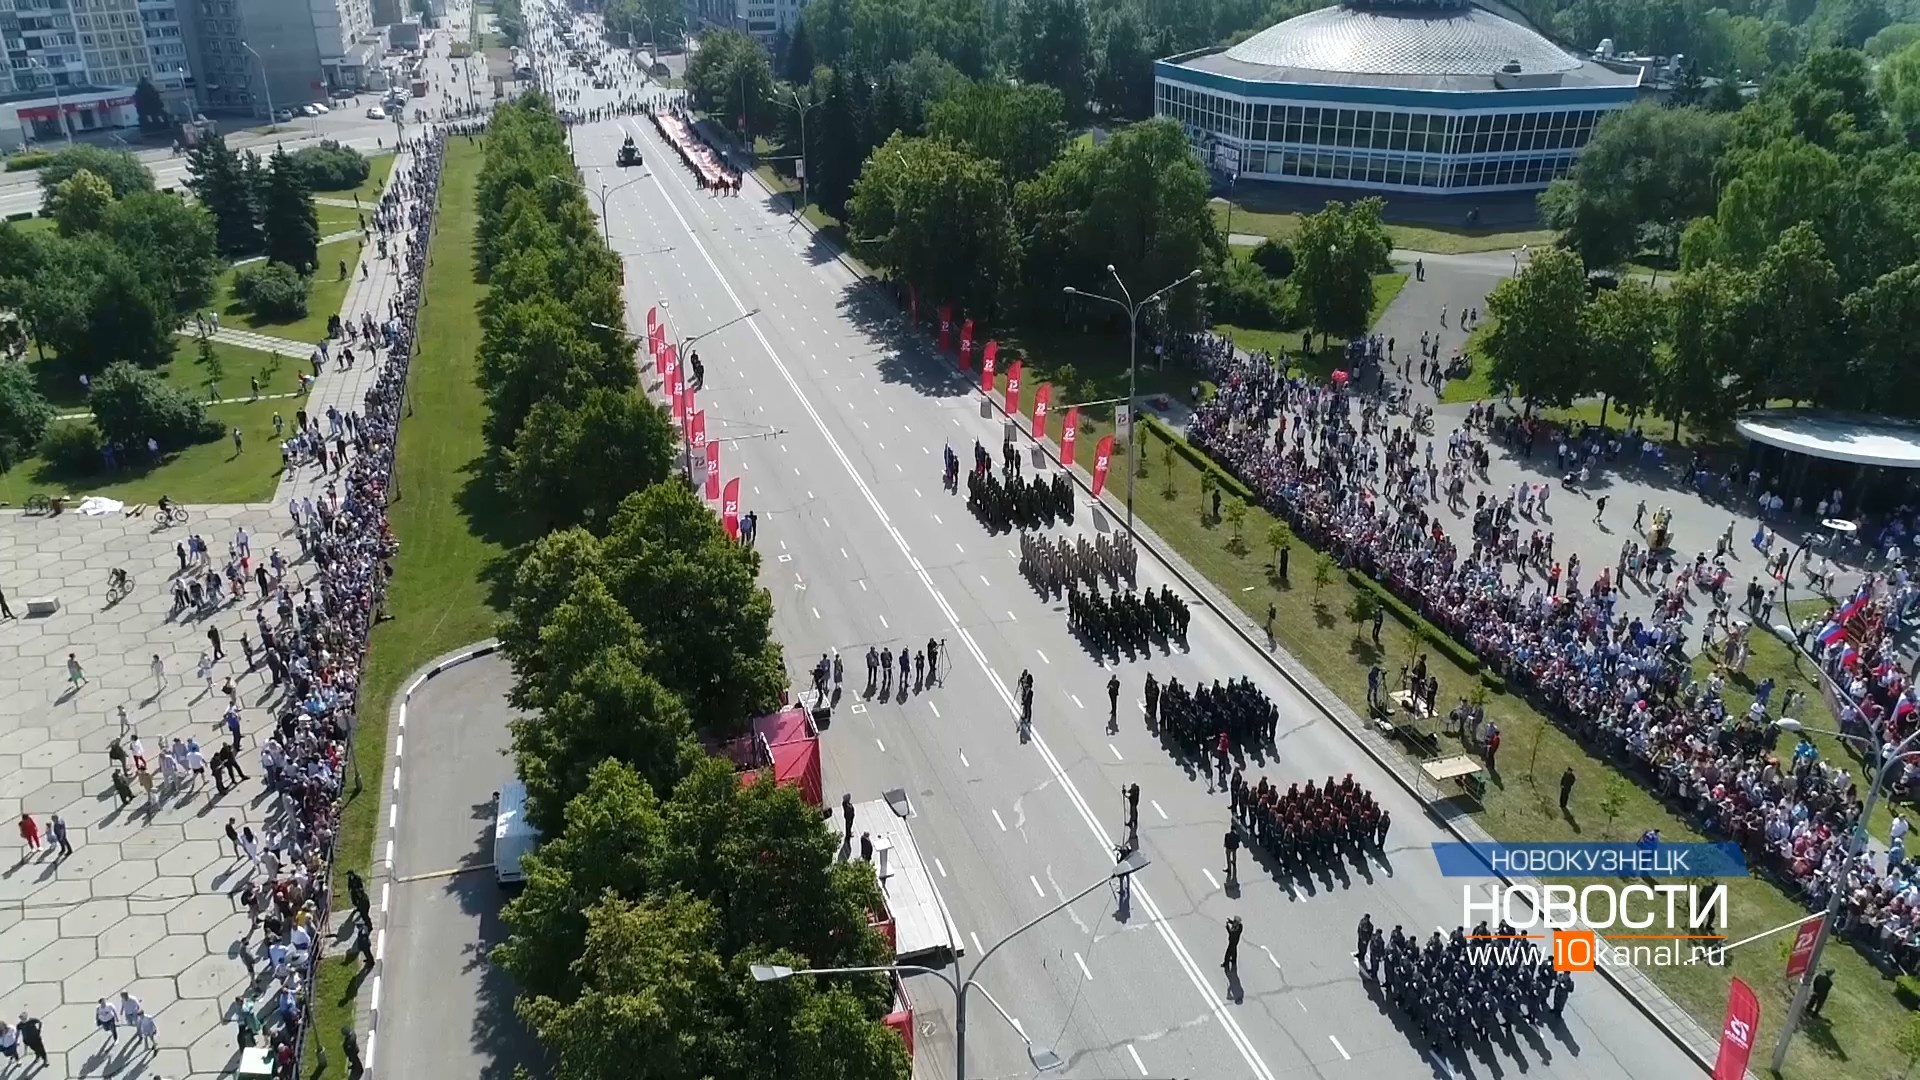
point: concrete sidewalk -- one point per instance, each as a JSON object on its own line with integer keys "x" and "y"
{"x": 346, "y": 388}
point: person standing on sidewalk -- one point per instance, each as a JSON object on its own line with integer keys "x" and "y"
{"x": 30, "y": 832}
{"x": 1231, "y": 961}
{"x": 76, "y": 676}
{"x": 213, "y": 638}
{"x": 58, "y": 828}
{"x": 30, "y": 1034}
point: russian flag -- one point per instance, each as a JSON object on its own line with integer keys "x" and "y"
{"x": 1832, "y": 632}
{"x": 1854, "y": 606}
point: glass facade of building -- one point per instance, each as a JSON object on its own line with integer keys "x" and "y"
{"x": 1414, "y": 147}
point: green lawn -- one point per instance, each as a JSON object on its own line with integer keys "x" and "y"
{"x": 209, "y": 472}
{"x": 329, "y": 292}
{"x": 1475, "y": 386}
{"x": 277, "y": 374}
{"x": 381, "y": 166}
{"x": 455, "y": 533}
{"x": 1848, "y": 1041}
{"x": 1326, "y": 356}
{"x": 1249, "y": 220}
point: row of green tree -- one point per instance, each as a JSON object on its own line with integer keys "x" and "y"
{"x": 637, "y": 638}
{"x": 569, "y": 432}
{"x": 1808, "y": 196}
{"x": 259, "y": 208}
{"x": 101, "y": 295}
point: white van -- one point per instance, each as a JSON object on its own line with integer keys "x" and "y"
{"x": 513, "y": 835}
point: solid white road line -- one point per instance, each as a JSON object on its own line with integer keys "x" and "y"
{"x": 940, "y": 866}
{"x": 1157, "y": 810}
{"x": 1116, "y": 752}
{"x": 1137, "y": 1063}
{"x": 1211, "y": 880}
{"x": 997, "y": 821}
{"x": 964, "y": 763}
{"x": 1083, "y": 966}
{"x": 1038, "y": 891}
{"x": 1344, "y": 1056}
{"x": 1202, "y": 981}
{"x": 1043, "y": 657}
{"x": 976, "y": 942}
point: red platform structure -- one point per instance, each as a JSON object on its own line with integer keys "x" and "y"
{"x": 901, "y": 1018}
{"x": 785, "y": 743}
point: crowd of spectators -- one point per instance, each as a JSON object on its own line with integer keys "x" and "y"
{"x": 314, "y": 657}
{"x": 1356, "y": 480}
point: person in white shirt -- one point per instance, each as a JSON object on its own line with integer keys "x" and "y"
{"x": 148, "y": 1031}
{"x": 107, "y": 1019}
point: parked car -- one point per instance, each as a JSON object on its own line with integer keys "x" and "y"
{"x": 283, "y": 115}
{"x": 375, "y": 112}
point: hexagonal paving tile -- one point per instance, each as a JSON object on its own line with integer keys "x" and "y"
{"x": 213, "y": 978}
{"x": 86, "y": 984}
{"x": 132, "y": 935}
{"x": 171, "y": 955}
{"x": 151, "y": 842}
{"x": 128, "y": 877}
{"x": 27, "y": 938}
{"x": 197, "y": 914}
{"x": 60, "y": 959}
{"x": 214, "y": 1053}
{"x": 93, "y": 918}
{"x": 61, "y": 895}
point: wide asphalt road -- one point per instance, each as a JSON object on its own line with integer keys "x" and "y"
{"x": 835, "y": 418}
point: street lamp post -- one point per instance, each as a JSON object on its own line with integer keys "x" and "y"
{"x": 59, "y": 106}
{"x": 1043, "y": 1058}
{"x": 606, "y": 232}
{"x": 803, "y": 110}
{"x": 680, "y": 347}
{"x": 1798, "y": 1009}
{"x": 266, "y": 84}
{"x": 1133, "y": 311}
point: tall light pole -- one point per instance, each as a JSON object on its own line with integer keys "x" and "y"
{"x": 1798, "y": 1009}
{"x": 606, "y": 233}
{"x": 1043, "y": 1059}
{"x": 1133, "y": 311}
{"x": 680, "y": 347}
{"x": 803, "y": 110}
{"x": 59, "y": 106}
{"x": 266, "y": 83}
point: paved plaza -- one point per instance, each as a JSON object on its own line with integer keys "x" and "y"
{"x": 147, "y": 903}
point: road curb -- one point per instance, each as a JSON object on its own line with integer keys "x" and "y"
{"x": 381, "y": 870}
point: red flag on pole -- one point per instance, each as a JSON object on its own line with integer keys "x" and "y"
{"x": 990, "y": 353}
{"x": 1069, "y": 434}
{"x": 697, "y": 432}
{"x": 677, "y": 397}
{"x": 730, "y": 509}
{"x": 713, "y": 470}
{"x": 946, "y": 326}
{"x": 1013, "y": 389}
{"x": 986, "y": 370}
{"x": 1738, "y": 1032}
{"x": 966, "y": 344}
{"x": 1102, "y": 456}
{"x": 653, "y": 316}
{"x": 1802, "y": 955}
{"x": 1042, "y": 401}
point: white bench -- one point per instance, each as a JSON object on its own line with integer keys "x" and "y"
{"x": 42, "y": 606}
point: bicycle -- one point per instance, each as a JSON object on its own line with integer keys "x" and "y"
{"x": 38, "y": 503}
{"x": 119, "y": 585}
{"x": 172, "y": 515}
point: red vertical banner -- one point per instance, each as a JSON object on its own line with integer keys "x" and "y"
{"x": 1801, "y": 958}
{"x": 1013, "y": 389}
{"x": 730, "y": 509}
{"x": 697, "y": 432}
{"x": 1042, "y": 401}
{"x": 1102, "y": 457}
{"x": 946, "y": 326}
{"x": 677, "y": 398}
{"x": 987, "y": 357}
{"x": 966, "y": 344}
{"x": 713, "y": 470}
{"x": 1068, "y": 434}
{"x": 1737, "y": 1034}
{"x": 664, "y": 358}
{"x": 990, "y": 353}
{"x": 653, "y": 317}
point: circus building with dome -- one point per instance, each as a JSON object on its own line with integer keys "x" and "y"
{"x": 1427, "y": 96}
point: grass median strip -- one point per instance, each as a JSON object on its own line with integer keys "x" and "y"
{"x": 454, "y": 534}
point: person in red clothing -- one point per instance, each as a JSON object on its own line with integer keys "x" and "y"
{"x": 30, "y": 832}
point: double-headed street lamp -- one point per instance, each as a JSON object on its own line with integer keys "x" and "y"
{"x": 803, "y": 109}
{"x": 1133, "y": 310}
{"x": 680, "y": 347}
{"x": 1043, "y": 1058}
{"x": 1836, "y": 894}
{"x": 266, "y": 83}
{"x": 606, "y": 230}
{"x": 59, "y": 107}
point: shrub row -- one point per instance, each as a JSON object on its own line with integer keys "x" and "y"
{"x": 29, "y": 159}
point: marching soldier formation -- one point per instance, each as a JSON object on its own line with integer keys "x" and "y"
{"x": 1453, "y": 996}
{"x": 1312, "y": 827}
{"x": 1052, "y": 563}
{"x": 1011, "y": 500}
{"x": 1198, "y": 721}
{"x": 1126, "y": 621}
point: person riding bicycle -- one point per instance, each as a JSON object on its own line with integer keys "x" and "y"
{"x": 117, "y": 579}
{"x": 166, "y": 506}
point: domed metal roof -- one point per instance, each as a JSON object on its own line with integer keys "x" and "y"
{"x": 1403, "y": 41}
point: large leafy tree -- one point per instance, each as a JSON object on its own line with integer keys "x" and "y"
{"x": 1707, "y": 347}
{"x": 940, "y": 218}
{"x": 1880, "y": 319}
{"x": 1535, "y": 342}
{"x": 1022, "y": 127}
{"x": 174, "y": 243}
{"x": 1622, "y": 328}
{"x": 287, "y": 216}
{"x": 1337, "y": 252}
{"x": 1794, "y": 314}
{"x": 123, "y": 172}
{"x": 1647, "y": 171}
{"x": 1137, "y": 202}
{"x": 575, "y": 464}
{"x": 1054, "y": 49}
{"x": 83, "y": 204}
{"x": 697, "y": 599}
{"x": 549, "y": 571}
{"x": 24, "y": 414}
{"x": 731, "y": 77}
{"x": 537, "y": 349}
